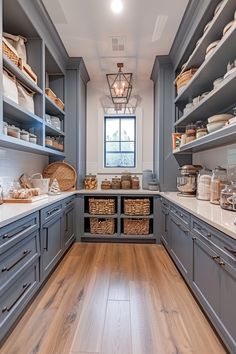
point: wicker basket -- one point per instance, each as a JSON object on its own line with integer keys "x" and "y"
{"x": 184, "y": 78}
{"x": 59, "y": 103}
{"x": 9, "y": 51}
{"x": 102, "y": 226}
{"x": 102, "y": 206}
{"x": 27, "y": 71}
{"x": 50, "y": 94}
{"x": 137, "y": 206}
{"x": 64, "y": 173}
{"x": 136, "y": 226}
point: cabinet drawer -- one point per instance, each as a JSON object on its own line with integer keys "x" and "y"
{"x": 13, "y": 233}
{"x": 50, "y": 212}
{"x": 18, "y": 257}
{"x": 164, "y": 203}
{"x": 69, "y": 202}
{"x": 15, "y": 298}
{"x": 182, "y": 215}
{"x": 220, "y": 242}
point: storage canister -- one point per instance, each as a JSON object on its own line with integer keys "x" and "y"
{"x": 33, "y": 138}
{"x": 116, "y": 183}
{"x": 204, "y": 184}
{"x": 24, "y": 135}
{"x": 5, "y": 125}
{"x": 228, "y": 197}
{"x": 106, "y": 184}
{"x": 190, "y": 133}
{"x": 13, "y": 131}
{"x": 135, "y": 182}
{"x": 218, "y": 182}
{"x": 90, "y": 181}
{"x": 147, "y": 177}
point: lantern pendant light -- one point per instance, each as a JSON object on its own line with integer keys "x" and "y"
{"x": 120, "y": 86}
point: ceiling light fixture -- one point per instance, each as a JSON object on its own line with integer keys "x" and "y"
{"x": 116, "y": 6}
{"x": 120, "y": 86}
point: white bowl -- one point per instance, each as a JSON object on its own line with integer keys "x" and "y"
{"x": 212, "y": 127}
{"x": 217, "y": 82}
{"x": 220, "y": 118}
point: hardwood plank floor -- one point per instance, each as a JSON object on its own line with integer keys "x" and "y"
{"x": 114, "y": 299}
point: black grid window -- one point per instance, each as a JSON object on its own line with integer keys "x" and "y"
{"x": 120, "y": 142}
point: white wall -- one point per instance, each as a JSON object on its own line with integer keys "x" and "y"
{"x": 222, "y": 156}
{"x": 13, "y": 163}
{"x": 94, "y": 93}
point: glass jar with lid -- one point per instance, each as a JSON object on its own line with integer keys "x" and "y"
{"x": 190, "y": 132}
{"x": 90, "y": 181}
{"x": 228, "y": 197}
{"x": 201, "y": 129}
{"x": 218, "y": 182}
{"x": 204, "y": 184}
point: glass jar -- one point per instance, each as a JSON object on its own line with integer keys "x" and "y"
{"x": 1, "y": 195}
{"x": 232, "y": 173}
{"x": 190, "y": 132}
{"x": 49, "y": 141}
{"x": 13, "y": 131}
{"x": 204, "y": 184}
{"x": 135, "y": 182}
{"x": 90, "y": 182}
{"x": 116, "y": 183}
{"x": 228, "y": 197}
{"x": 106, "y": 184}
{"x": 5, "y": 125}
{"x": 33, "y": 138}
{"x": 218, "y": 182}
{"x": 24, "y": 135}
{"x": 201, "y": 129}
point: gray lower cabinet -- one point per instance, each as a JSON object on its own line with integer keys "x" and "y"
{"x": 165, "y": 232}
{"x": 69, "y": 222}
{"x": 51, "y": 238}
{"x": 181, "y": 246}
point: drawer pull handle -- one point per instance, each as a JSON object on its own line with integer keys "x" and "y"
{"x": 233, "y": 252}
{"x": 221, "y": 263}
{"x": 8, "y": 309}
{"x": 23, "y": 228}
{"x": 208, "y": 235}
{"x": 215, "y": 257}
{"x": 194, "y": 238}
{"x": 70, "y": 202}
{"x": 24, "y": 254}
{"x": 51, "y": 212}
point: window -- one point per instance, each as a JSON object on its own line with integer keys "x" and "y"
{"x": 120, "y": 142}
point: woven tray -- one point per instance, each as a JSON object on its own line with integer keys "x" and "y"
{"x": 9, "y": 51}
{"x": 137, "y": 206}
{"x": 51, "y": 94}
{"x": 64, "y": 173}
{"x": 136, "y": 226}
{"x": 102, "y": 206}
{"x": 59, "y": 103}
{"x": 102, "y": 226}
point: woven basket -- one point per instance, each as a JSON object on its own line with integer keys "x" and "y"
{"x": 102, "y": 226}
{"x": 102, "y": 206}
{"x": 59, "y": 103}
{"x": 64, "y": 173}
{"x": 136, "y": 226}
{"x": 27, "y": 71}
{"x": 137, "y": 206}
{"x": 184, "y": 78}
{"x": 51, "y": 94}
{"x": 9, "y": 51}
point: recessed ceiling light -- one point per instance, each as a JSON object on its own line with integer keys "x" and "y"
{"x": 117, "y": 6}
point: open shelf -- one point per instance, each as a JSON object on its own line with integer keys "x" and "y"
{"x": 215, "y": 102}
{"x": 213, "y": 33}
{"x": 123, "y": 216}
{"x": 52, "y": 109}
{"x": 221, "y": 137}
{"x": 54, "y": 151}
{"x": 137, "y": 237}
{"x": 52, "y": 131}
{"x": 20, "y": 75}
{"x": 99, "y": 216}
{"x": 13, "y": 111}
{"x": 211, "y": 69}
{"x": 97, "y": 236}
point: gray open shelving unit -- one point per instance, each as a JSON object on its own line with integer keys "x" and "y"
{"x": 46, "y": 66}
{"x": 219, "y": 100}
{"x": 119, "y": 216}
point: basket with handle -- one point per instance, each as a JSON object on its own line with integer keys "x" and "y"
{"x": 64, "y": 173}
{"x": 183, "y": 78}
{"x": 10, "y": 51}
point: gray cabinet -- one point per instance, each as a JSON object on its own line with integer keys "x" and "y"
{"x": 51, "y": 238}
{"x": 165, "y": 227}
{"x": 181, "y": 246}
{"x": 69, "y": 223}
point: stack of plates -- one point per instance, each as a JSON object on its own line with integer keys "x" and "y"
{"x": 217, "y": 122}
{"x": 210, "y": 49}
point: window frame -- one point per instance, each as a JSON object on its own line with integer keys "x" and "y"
{"x": 100, "y": 144}
{"x": 120, "y": 141}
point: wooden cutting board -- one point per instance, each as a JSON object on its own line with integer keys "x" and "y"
{"x": 29, "y": 200}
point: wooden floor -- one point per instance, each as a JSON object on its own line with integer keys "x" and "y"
{"x": 114, "y": 299}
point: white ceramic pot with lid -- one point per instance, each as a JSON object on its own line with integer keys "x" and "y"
{"x": 38, "y": 181}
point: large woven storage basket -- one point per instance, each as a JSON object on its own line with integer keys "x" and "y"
{"x": 136, "y": 226}
{"x": 50, "y": 94}
{"x": 102, "y": 206}
{"x": 102, "y": 226}
{"x": 9, "y": 51}
{"x": 137, "y": 206}
{"x": 64, "y": 173}
{"x": 182, "y": 79}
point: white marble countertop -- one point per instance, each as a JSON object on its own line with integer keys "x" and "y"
{"x": 118, "y": 191}
{"x": 12, "y": 212}
{"x": 221, "y": 219}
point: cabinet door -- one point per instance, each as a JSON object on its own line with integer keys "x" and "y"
{"x": 51, "y": 244}
{"x": 165, "y": 232}
{"x": 227, "y": 302}
{"x": 69, "y": 226}
{"x": 206, "y": 276}
{"x": 181, "y": 247}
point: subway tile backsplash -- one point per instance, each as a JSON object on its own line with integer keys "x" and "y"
{"x": 222, "y": 156}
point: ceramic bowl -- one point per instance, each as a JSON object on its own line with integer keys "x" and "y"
{"x": 217, "y": 82}
{"x": 218, "y": 7}
{"x": 227, "y": 27}
{"x": 230, "y": 72}
{"x": 212, "y": 127}
{"x": 220, "y": 118}
{"x": 207, "y": 26}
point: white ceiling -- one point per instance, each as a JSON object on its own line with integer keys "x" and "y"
{"x": 147, "y": 27}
